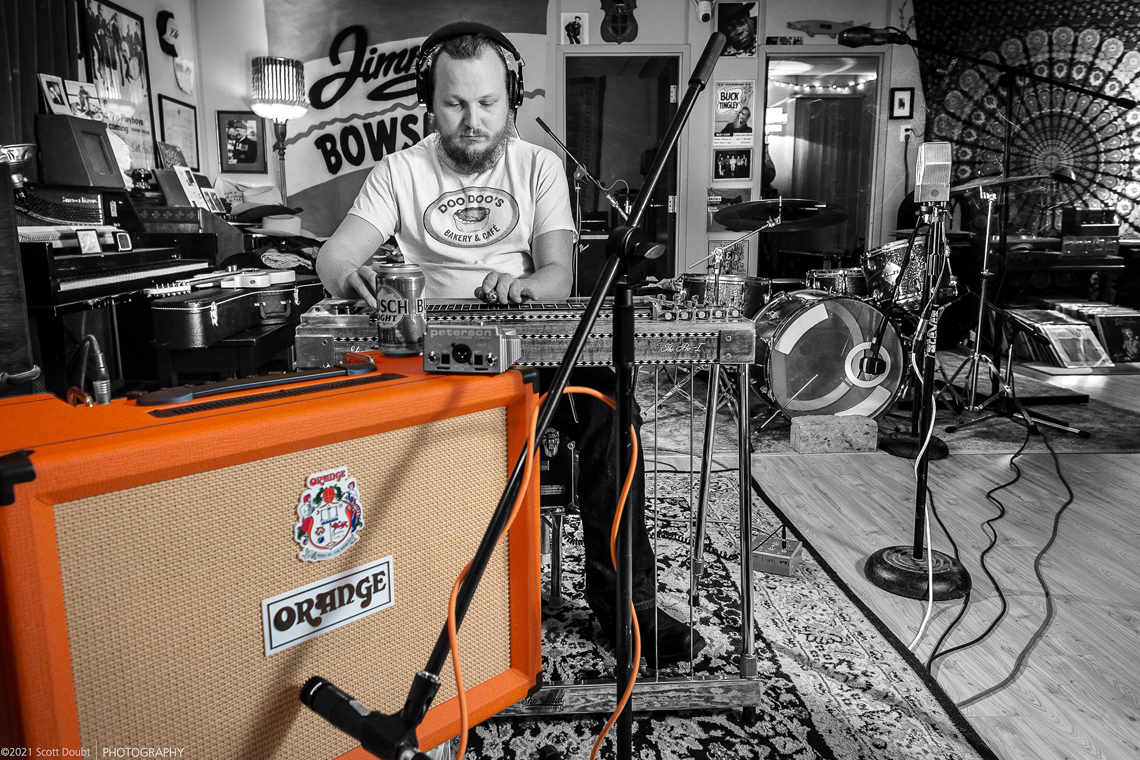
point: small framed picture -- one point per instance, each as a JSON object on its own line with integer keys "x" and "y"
{"x": 170, "y": 156}
{"x": 88, "y": 241}
{"x": 732, "y": 164}
{"x": 54, "y": 94}
{"x": 123, "y": 241}
{"x": 84, "y": 100}
{"x": 902, "y": 102}
{"x": 241, "y": 142}
{"x": 575, "y": 29}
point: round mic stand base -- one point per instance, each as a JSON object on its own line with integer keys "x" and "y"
{"x": 897, "y": 570}
{"x": 908, "y": 446}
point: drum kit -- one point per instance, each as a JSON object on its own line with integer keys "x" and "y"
{"x": 814, "y": 335}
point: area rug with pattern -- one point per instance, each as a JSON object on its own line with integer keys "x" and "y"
{"x": 830, "y": 684}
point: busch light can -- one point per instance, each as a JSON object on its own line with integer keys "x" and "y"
{"x": 400, "y": 309}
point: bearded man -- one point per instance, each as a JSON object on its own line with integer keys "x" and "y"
{"x": 485, "y": 214}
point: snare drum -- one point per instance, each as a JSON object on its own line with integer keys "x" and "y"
{"x": 883, "y": 266}
{"x": 808, "y": 351}
{"x": 749, "y": 294}
{"x": 838, "y": 282}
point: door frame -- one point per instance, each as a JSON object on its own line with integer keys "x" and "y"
{"x": 683, "y": 53}
{"x": 878, "y": 220}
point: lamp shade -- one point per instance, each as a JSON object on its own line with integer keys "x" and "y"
{"x": 278, "y": 88}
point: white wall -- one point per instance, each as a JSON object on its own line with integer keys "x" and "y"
{"x": 230, "y": 33}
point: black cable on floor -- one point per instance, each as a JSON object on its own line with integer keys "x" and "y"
{"x": 988, "y": 524}
{"x": 1019, "y": 664}
{"x": 938, "y": 517}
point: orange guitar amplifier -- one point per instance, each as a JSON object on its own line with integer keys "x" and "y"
{"x": 171, "y": 576}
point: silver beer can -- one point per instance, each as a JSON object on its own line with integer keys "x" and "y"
{"x": 400, "y": 309}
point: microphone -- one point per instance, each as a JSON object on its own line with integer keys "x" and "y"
{"x": 378, "y": 734}
{"x": 580, "y": 172}
{"x": 862, "y": 36}
{"x": 932, "y": 173}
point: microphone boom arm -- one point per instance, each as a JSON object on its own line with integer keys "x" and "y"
{"x": 585, "y": 172}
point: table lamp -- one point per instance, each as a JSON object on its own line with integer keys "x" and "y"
{"x": 279, "y": 94}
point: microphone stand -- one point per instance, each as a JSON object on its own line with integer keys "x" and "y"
{"x": 581, "y": 170}
{"x": 901, "y": 570}
{"x": 907, "y": 445}
{"x": 393, "y": 737}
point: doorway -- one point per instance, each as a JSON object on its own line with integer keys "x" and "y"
{"x": 820, "y": 132}
{"x": 617, "y": 109}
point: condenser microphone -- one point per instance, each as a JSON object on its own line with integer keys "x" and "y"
{"x": 932, "y": 173}
{"x": 862, "y": 36}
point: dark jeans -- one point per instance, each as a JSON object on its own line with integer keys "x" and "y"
{"x": 594, "y": 433}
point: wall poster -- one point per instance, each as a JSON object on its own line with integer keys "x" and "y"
{"x": 732, "y": 114}
{"x": 735, "y": 257}
{"x": 115, "y": 48}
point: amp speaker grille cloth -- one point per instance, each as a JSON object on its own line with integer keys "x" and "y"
{"x": 163, "y": 587}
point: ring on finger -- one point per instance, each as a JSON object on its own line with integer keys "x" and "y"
{"x": 492, "y": 296}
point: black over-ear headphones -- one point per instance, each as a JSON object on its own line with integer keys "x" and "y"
{"x": 459, "y": 29}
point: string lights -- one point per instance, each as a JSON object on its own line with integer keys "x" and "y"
{"x": 842, "y": 88}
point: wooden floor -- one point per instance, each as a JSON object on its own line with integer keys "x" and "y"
{"x": 1077, "y": 694}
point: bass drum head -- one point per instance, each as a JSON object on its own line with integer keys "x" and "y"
{"x": 810, "y": 345}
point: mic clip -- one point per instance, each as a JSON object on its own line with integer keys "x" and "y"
{"x": 872, "y": 365}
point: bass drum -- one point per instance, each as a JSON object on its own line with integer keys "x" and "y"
{"x": 808, "y": 350}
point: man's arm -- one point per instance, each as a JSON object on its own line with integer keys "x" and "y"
{"x": 552, "y": 277}
{"x": 341, "y": 262}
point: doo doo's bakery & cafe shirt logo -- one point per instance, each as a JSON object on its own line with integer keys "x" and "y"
{"x": 472, "y": 217}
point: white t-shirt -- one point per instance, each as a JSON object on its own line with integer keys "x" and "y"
{"x": 458, "y": 228}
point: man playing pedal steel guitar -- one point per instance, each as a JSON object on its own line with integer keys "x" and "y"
{"x": 485, "y": 214}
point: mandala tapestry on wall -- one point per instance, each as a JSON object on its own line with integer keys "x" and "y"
{"x": 1093, "y": 46}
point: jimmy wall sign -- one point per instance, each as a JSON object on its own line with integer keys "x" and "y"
{"x": 361, "y": 88}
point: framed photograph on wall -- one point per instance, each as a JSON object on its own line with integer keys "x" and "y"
{"x": 732, "y": 164}
{"x": 178, "y": 126}
{"x": 738, "y": 23}
{"x": 114, "y": 45}
{"x": 241, "y": 142}
{"x": 902, "y": 102}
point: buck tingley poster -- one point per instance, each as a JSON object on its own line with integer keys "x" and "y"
{"x": 359, "y": 58}
{"x": 732, "y": 114}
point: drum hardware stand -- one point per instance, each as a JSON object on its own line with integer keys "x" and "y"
{"x": 973, "y": 362}
{"x": 1008, "y": 405}
{"x": 902, "y": 570}
{"x": 717, "y": 256}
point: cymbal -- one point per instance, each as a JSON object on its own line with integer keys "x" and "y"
{"x": 795, "y": 214}
{"x": 997, "y": 182}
